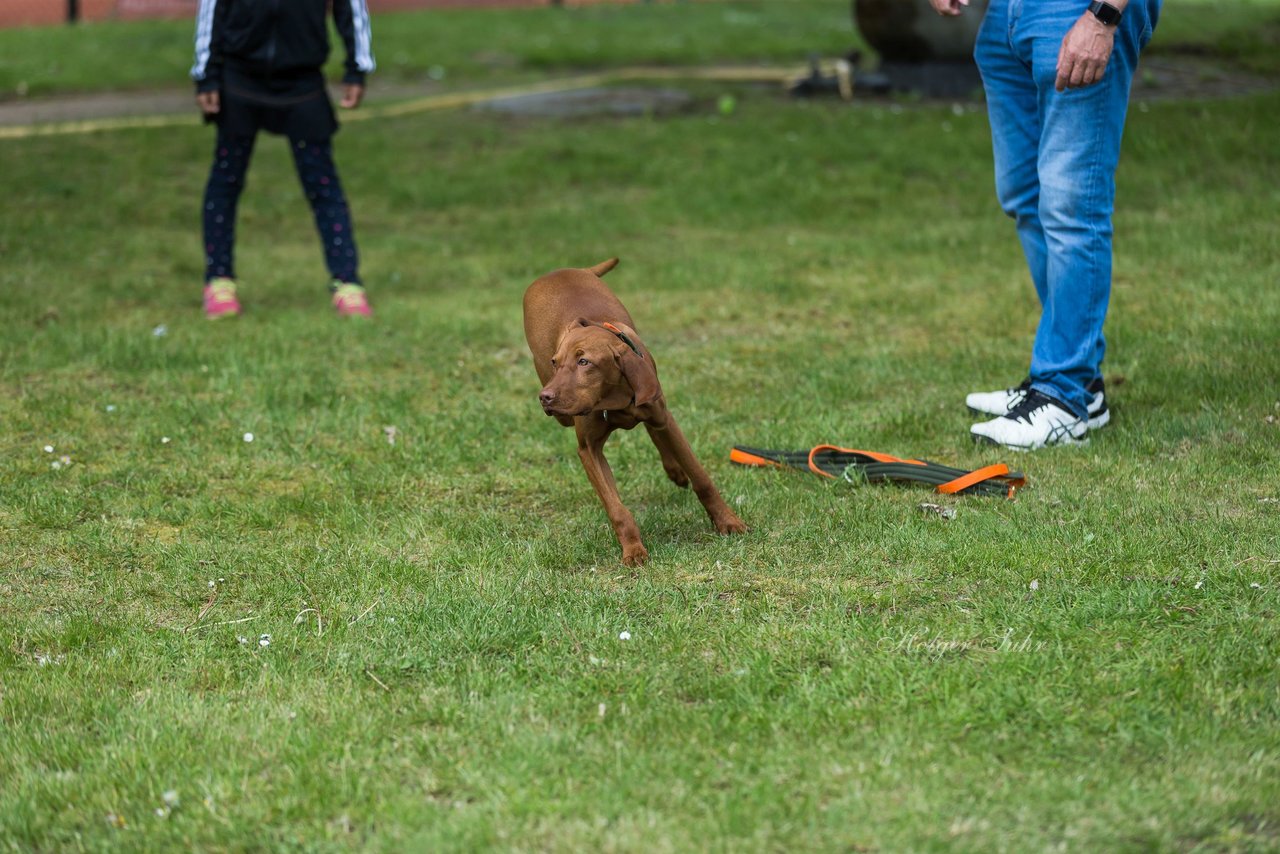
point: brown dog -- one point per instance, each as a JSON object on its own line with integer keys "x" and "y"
{"x": 598, "y": 376}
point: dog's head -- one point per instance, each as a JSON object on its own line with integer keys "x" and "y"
{"x": 599, "y": 366}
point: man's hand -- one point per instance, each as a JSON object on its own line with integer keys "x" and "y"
{"x": 352, "y": 95}
{"x": 1084, "y": 54}
{"x": 950, "y": 8}
{"x": 209, "y": 102}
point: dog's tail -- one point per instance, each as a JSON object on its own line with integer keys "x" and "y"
{"x": 603, "y": 267}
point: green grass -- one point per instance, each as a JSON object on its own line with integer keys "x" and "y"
{"x": 445, "y": 669}
{"x": 1246, "y": 32}
{"x": 457, "y": 47}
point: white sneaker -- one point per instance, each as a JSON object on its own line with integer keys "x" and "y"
{"x": 1037, "y": 420}
{"x": 1002, "y": 401}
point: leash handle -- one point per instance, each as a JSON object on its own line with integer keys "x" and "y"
{"x": 874, "y": 455}
{"x": 978, "y": 476}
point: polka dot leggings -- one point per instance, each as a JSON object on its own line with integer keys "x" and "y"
{"x": 314, "y": 161}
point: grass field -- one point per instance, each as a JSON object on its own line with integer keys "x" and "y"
{"x": 1090, "y": 667}
{"x": 455, "y": 46}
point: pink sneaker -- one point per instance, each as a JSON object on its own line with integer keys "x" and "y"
{"x": 220, "y": 299}
{"x": 350, "y": 301}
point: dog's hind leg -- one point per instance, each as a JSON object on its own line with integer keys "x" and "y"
{"x": 674, "y": 447}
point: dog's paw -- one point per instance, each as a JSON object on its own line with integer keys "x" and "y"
{"x": 634, "y": 555}
{"x": 729, "y": 524}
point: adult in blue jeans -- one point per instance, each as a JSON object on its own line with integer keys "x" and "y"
{"x": 1057, "y": 75}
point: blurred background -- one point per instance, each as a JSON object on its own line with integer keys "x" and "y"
{"x": 18, "y": 13}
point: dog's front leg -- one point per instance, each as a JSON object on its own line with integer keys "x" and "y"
{"x": 592, "y": 434}
{"x": 672, "y": 445}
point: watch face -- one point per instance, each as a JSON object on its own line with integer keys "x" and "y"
{"x": 1105, "y": 13}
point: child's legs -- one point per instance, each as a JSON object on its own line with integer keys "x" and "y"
{"x": 319, "y": 176}
{"x": 231, "y": 155}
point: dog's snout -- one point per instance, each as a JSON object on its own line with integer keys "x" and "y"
{"x": 546, "y": 397}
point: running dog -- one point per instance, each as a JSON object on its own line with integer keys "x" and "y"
{"x": 598, "y": 376}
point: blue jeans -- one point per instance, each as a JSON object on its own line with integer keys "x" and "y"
{"x": 1055, "y": 163}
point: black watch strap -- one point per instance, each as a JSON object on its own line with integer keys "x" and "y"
{"x": 1105, "y": 12}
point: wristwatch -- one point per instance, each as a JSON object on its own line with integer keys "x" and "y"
{"x": 1105, "y": 13}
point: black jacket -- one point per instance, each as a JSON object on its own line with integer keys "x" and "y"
{"x": 268, "y": 38}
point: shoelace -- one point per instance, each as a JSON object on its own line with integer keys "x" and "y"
{"x": 1030, "y": 405}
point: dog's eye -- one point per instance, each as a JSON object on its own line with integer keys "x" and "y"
{"x": 583, "y": 362}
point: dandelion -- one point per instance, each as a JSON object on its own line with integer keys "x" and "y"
{"x": 624, "y": 636}
{"x": 248, "y": 437}
{"x": 48, "y": 449}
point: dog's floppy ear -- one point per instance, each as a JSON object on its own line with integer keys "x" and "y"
{"x": 641, "y": 375}
{"x": 636, "y": 364}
